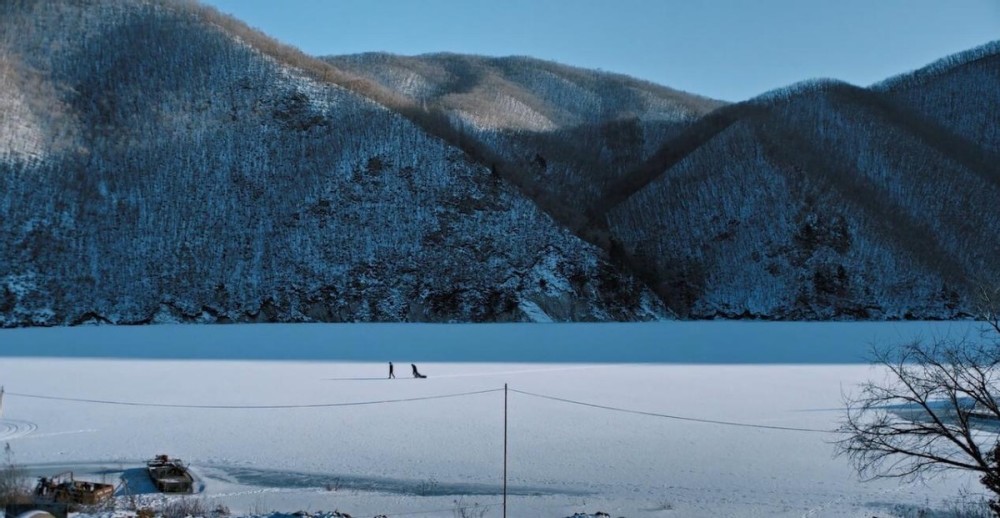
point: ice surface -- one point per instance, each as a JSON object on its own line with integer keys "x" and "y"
{"x": 659, "y": 342}
{"x": 421, "y": 456}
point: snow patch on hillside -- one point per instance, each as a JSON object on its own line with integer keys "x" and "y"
{"x": 533, "y": 312}
{"x": 22, "y": 136}
{"x": 408, "y": 83}
{"x": 503, "y": 112}
{"x": 659, "y": 108}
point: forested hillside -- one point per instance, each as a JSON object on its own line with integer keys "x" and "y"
{"x": 563, "y": 134}
{"x": 162, "y": 162}
{"x": 823, "y": 200}
{"x": 157, "y": 168}
{"x": 960, "y": 93}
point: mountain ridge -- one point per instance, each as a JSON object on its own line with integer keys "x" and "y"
{"x": 249, "y": 193}
{"x": 839, "y": 97}
{"x": 230, "y": 177}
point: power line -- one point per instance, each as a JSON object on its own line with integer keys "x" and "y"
{"x": 414, "y": 399}
{"x": 250, "y": 407}
{"x": 668, "y": 416}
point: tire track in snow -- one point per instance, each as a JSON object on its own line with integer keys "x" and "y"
{"x": 56, "y": 434}
{"x": 523, "y": 371}
{"x": 15, "y": 429}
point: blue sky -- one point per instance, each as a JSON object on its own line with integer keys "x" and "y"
{"x": 727, "y": 49}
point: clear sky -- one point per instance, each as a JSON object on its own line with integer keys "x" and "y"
{"x": 727, "y": 49}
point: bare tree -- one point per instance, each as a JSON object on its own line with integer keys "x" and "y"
{"x": 990, "y": 306}
{"x": 14, "y": 487}
{"x": 935, "y": 410}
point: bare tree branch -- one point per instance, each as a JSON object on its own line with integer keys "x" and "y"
{"x": 927, "y": 415}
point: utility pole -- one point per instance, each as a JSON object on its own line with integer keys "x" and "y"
{"x": 504, "y": 450}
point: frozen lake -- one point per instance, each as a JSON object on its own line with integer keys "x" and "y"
{"x": 734, "y": 417}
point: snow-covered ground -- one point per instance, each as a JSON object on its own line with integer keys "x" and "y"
{"x": 264, "y": 433}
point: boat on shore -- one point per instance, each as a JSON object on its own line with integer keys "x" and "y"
{"x": 170, "y": 475}
{"x": 65, "y": 489}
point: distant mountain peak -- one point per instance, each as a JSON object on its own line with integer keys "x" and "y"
{"x": 987, "y": 51}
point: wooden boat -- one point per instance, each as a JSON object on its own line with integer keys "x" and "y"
{"x": 64, "y": 489}
{"x": 170, "y": 475}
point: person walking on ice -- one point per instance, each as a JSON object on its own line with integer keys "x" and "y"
{"x": 416, "y": 373}
{"x": 391, "y": 375}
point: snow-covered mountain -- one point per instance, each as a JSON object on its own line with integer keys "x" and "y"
{"x": 821, "y": 200}
{"x": 158, "y": 167}
{"x": 562, "y": 134}
{"x": 960, "y": 93}
{"x": 523, "y": 93}
{"x": 160, "y": 161}
{"x": 825, "y": 200}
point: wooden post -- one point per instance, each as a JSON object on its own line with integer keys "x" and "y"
{"x": 504, "y": 450}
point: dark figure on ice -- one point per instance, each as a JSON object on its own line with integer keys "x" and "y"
{"x": 416, "y": 373}
{"x": 391, "y": 375}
